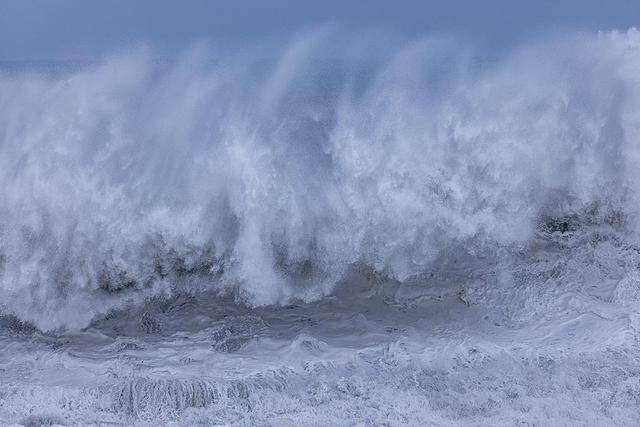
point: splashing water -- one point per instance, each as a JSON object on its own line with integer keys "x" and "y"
{"x": 139, "y": 196}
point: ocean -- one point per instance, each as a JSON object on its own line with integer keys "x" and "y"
{"x": 416, "y": 236}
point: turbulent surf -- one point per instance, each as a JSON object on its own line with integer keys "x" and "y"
{"x": 415, "y": 234}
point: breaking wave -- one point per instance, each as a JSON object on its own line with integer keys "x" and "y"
{"x": 270, "y": 180}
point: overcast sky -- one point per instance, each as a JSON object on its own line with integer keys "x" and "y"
{"x": 41, "y": 29}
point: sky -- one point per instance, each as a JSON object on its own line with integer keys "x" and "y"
{"x": 50, "y": 29}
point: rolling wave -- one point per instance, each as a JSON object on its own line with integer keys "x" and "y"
{"x": 272, "y": 180}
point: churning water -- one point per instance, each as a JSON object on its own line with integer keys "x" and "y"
{"x": 408, "y": 236}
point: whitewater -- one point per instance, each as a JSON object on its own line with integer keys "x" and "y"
{"x": 341, "y": 231}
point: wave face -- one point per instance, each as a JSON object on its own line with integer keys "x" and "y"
{"x": 271, "y": 180}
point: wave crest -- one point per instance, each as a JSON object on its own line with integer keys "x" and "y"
{"x": 270, "y": 179}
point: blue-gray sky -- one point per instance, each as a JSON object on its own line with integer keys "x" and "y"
{"x": 37, "y": 29}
